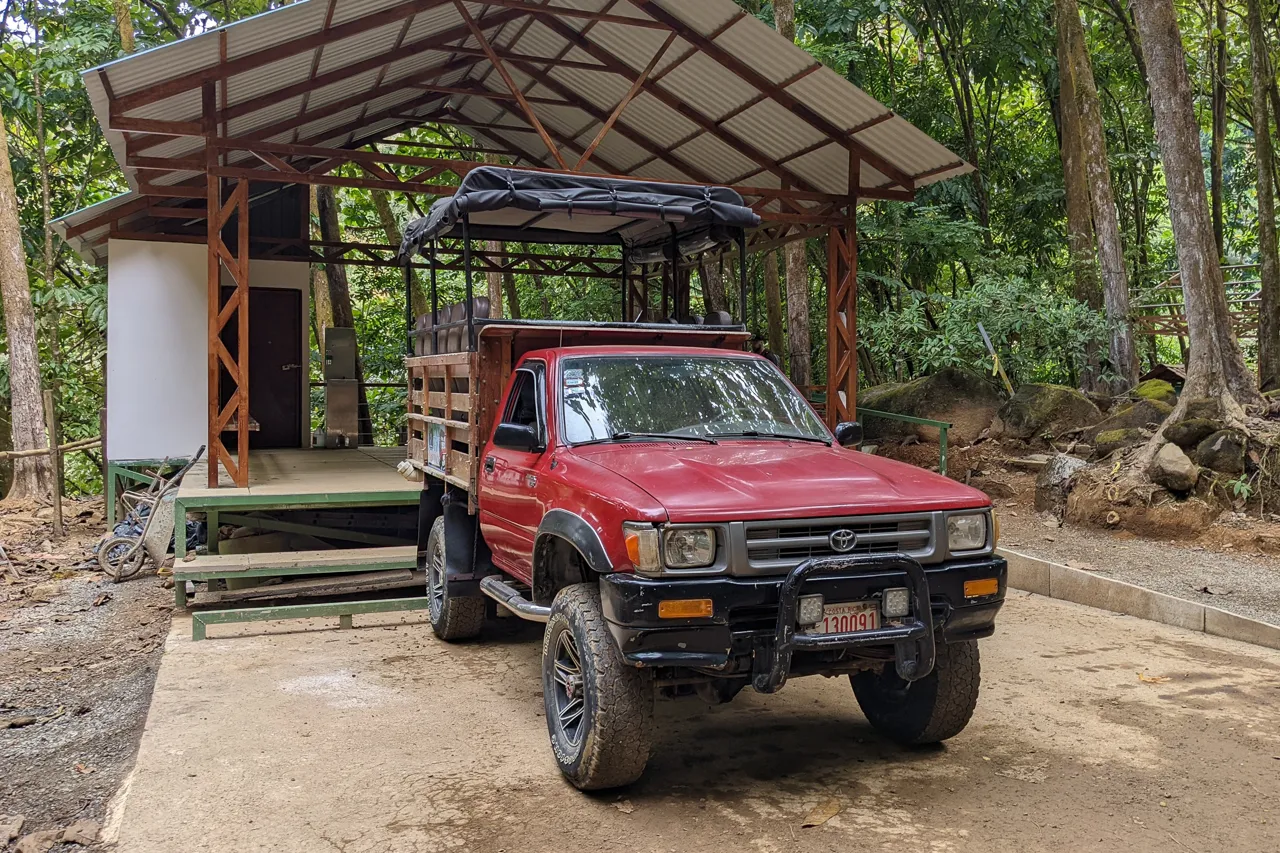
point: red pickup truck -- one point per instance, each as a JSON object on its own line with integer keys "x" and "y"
{"x": 685, "y": 524}
{"x": 669, "y": 505}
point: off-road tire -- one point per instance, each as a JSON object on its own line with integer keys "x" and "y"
{"x": 452, "y": 618}
{"x": 931, "y": 710}
{"x": 617, "y": 717}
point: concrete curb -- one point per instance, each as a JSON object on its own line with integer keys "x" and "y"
{"x": 1041, "y": 577}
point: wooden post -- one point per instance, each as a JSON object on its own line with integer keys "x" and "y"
{"x": 55, "y": 462}
{"x": 842, "y": 310}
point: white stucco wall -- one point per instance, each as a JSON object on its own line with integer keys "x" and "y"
{"x": 157, "y": 350}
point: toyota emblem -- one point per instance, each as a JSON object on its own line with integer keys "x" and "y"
{"x": 843, "y": 541}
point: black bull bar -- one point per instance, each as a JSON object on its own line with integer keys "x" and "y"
{"x": 913, "y": 641}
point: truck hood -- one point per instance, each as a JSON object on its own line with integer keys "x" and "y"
{"x": 746, "y": 480}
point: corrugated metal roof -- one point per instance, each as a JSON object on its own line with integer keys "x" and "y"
{"x": 731, "y": 126}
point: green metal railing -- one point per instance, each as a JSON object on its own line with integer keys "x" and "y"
{"x": 941, "y": 426}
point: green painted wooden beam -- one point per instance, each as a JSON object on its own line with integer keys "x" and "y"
{"x": 224, "y": 574}
{"x": 310, "y": 530}
{"x": 343, "y": 610}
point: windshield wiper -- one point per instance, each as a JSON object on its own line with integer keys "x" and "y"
{"x": 627, "y": 436}
{"x": 780, "y": 436}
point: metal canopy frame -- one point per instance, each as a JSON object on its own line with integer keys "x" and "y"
{"x": 549, "y": 86}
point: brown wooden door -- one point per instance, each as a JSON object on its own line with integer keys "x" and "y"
{"x": 276, "y": 373}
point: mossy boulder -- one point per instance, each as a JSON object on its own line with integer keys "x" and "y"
{"x": 1140, "y": 415}
{"x": 1203, "y": 408}
{"x": 965, "y": 400}
{"x": 1155, "y": 389}
{"x": 1223, "y": 452}
{"x": 1040, "y": 411}
{"x": 1188, "y": 433}
{"x": 1112, "y": 440}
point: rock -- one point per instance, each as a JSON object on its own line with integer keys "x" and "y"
{"x": 82, "y": 832}
{"x": 1223, "y": 452}
{"x": 1106, "y": 443}
{"x": 1155, "y": 389}
{"x": 1174, "y": 470}
{"x": 994, "y": 489}
{"x": 1203, "y": 407}
{"x": 1188, "y": 433}
{"x": 1104, "y": 402}
{"x": 1044, "y": 411}
{"x": 1054, "y": 482}
{"x": 965, "y": 400}
{"x": 38, "y": 842}
{"x": 10, "y": 827}
{"x": 1139, "y": 415}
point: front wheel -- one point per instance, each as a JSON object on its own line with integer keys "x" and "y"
{"x": 931, "y": 710}
{"x": 599, "y": 708}
{"x": 452, "y": 618}
{"x": 120, "y": 557}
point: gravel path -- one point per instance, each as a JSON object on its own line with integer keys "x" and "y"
{"x": 1246, "y": 584}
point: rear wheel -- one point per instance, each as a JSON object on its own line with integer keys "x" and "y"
{"x": 120, "y": 557}
{"x": 599, "y": 708}
{"x": 452, "y": 618}
{"x": 931, "y": 710}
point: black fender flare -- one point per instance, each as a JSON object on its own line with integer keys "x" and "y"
{"x": 574, "y": 529}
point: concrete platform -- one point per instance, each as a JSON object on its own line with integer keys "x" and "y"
{"x": 384, "y": 739}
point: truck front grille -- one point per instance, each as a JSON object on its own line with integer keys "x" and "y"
{"x": 775, "y": 547}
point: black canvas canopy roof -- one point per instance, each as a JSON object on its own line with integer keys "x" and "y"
{"x": 545, "y": 207}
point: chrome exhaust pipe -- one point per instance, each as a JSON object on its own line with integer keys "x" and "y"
{"x": 510, "y": 598}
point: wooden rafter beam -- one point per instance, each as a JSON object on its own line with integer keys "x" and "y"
{"x": 552, "y": 12}
{"x": 501, "y": 68}
{"x": 267, "y": 55}
{"x": 786, "y": 100}
{"x": 636, "y": 86}
{"x": 687, "y": 112}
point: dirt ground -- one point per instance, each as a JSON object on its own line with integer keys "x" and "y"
{"x": 384, "y": 739}
{"x": 78, "y": 658}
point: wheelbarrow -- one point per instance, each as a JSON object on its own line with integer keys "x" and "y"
{"x": 121, "y": 556}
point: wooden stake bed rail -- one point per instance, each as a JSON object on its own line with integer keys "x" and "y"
{"x": 453, "y": 400}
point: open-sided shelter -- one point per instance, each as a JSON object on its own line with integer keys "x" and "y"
{"x": 220, "y": 135}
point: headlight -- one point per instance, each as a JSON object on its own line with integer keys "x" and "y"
{"x": 689, "y": 548}
{"x": 642, "y": 546}
{"x": 967, "y": 532}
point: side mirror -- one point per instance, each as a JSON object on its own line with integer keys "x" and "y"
{"x": 523, "y": 439}
{"x": 849, "y": 434}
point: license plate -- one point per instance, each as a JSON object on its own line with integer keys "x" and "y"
{"x": 848, "y": 618}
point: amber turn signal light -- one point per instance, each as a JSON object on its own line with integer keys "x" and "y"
{"x": 693, "y": 608}
{"x": 977, "y": 589}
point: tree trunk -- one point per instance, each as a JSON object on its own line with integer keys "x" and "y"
{"x": 799, "y": 354}
{"x": 124, "y": 21}
{"x": 1106, "y": 220}
{"x": 773, "y": 303}
{"x": 1218, "y": 144}
{"x": 713, "y": 293}
{"x": 1081, "y": 239}
{"x": 319, "y": 281}
{"x": 1268, "y": 251}
{"x": 419, "y": 296}
{"x": 340, "y": 298}
{"x": 495, "y": 248}
{"x": 30, "y": 476}
{"x": 1217, "y": 368}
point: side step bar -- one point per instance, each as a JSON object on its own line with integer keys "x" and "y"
{"x": 510, "y": 598}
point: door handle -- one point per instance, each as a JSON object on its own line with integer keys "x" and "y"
{"x": 291, "y": 367}
{"x": 489, "y": 464}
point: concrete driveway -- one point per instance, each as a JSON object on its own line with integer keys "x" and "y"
{"x": 383, "y": 739}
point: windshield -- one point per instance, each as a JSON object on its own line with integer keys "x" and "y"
{"x": 694, "y": 396}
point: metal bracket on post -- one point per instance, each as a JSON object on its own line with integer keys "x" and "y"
{"x": 466, "y": 263}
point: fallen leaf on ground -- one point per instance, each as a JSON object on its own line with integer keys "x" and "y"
{"x": 54, "y": 668}
{"x": 1215, "y": 590}
{"x": 16, "y": 722}
{"x": 84, "y": 769}
{"x": 38, "y": 842}
{"x": 624, "y": 806}
{"x": 822, "y": 813}
{"x": 82, "y": 832}
{"x": 1152, "y": 679}
{"x": 102, "y": 599}
{"x": 10, "y": 827}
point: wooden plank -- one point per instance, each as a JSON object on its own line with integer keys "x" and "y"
{"x": 200, "y": 620}
{"x": 333, "y": 585}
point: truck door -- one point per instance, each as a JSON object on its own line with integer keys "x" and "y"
{"x": 510, "y": 510}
